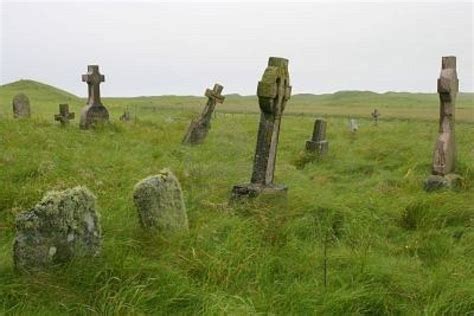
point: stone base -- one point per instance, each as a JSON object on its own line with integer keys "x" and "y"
{"x": 196, "y": 133}
{"x": 436, "y": 182}
{"x": 92, "y": 115}
{"x": 253, "y": 190}
{"x": 320, "y": 148}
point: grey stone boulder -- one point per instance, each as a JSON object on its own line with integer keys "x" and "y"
{"x": 160, "y": 203}
{"x": 62, "y": 226}
{"x": 437, "y": 182}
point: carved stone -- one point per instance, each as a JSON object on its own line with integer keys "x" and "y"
{"x": 64, "y": 115}
{"x": 94, "y": 112}
{"x": 318, "y": 144}
{"x": 21, "y": 106}
{"x": 273, "y": 92}
{"x": 199, "y": 127}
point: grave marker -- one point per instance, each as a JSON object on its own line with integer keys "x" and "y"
{"x": 94, "y": 112}
{"x": 21, "y": 106}
{"x": 318, "y": 144}
{"x": 64, "y": 115}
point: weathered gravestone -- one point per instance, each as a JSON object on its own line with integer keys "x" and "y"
{"x": 444, "y": 154}
{"x": 94, "y": 112}
{"x": 318, "y": 144}
{"x": 64, "y": 115}
{"x": 273, "y": 92}
{"x": 21, "y": 106}
{"x": 375, "y": 116}
{"x": 353, "y": 126}
{"x": 199, "y": 127}
{"x": 160, "y": 203}
{"x": 63, "y": 226}
{"x": 125, "y": 116}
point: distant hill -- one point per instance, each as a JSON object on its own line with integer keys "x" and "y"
{"x": 36, "y": 90}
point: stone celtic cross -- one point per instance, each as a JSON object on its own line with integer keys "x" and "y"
{"x": 94, "y": 112}
{"x": 318, "y": 143}
{"x": 199, "y": 127}
{"x": 444, "y": 154}
{"x": 64, "y": 115}
{"x": 273, "y": 92}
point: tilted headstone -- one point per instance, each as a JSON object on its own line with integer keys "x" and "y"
{"x": 444, "y": 155}
{"x": 62, "y": 226}
{"x": 375, "y": 116}
{"x": 199, "y": 127}
{"x": 318, "y": 144}
{"x": 94, "y": 112}
{"x": 273, "y": 92}
{"x": 160, "y": 203}
{"x": 353, "y": 126}
{"x": 21, "y": 106}
{"x": 64, "y": 115}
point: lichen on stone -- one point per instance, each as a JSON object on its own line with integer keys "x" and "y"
{"x": 160, "y": 203}
{"x": 63, "y": 225}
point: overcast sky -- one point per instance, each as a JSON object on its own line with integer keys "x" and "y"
{"x": 146, "y": 48}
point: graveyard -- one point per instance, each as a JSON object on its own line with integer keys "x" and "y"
{"x": 354, "y": 231}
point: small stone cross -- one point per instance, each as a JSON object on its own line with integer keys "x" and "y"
{"x": 64, "y": 115}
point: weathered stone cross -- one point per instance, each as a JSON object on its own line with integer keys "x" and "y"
{"x": 273, "y": 92}
{"x": 318, "y": 144}
{"x": 94, "y": 112}
{"x": 199, "y": 127}
{"x": 64, "y": 115}
{"x": 444, "y": 155}
{"x": 375, "y": 116}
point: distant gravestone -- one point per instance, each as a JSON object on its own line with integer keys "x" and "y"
{"x": 160, "y": 203}
{"x": 199, "y": 127}
{"x": 64, "y": 115}
{"x": 21, "y": 106}
{"x": 273, "y": 92}
{"x": 94, "y": 112}
{"x": 125, "y": 116}
{"x": 375, "y": 116}
{"x": 63, "y": 226}
{"x": 318, "y": 144}
{"x": 353, "y": 126}
{"x": 444, "y": 153}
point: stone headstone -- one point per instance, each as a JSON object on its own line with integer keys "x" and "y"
{"x": 375, "y": 116}
{"x": 94, "y": 112}
{"x": 273, "y": 92}
{"x": 353, "y": 126}
{"x": 64, "y": 115}
{"x": 444, "y": 154}
{"x": 318, "y": 144}
{"x": 160, "y": 203}
{"x": 199, "y": 127}
{"x": 62, "y": 226}
{"x": 21, "y": 106}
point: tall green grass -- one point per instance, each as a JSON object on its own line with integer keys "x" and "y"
{"x": 358, "y": 235}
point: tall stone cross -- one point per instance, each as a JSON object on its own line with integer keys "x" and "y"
{"x": 273, "y": 92}
{"x": 318, "y": 143}
{"x": 199, "y": 127}
{"x": 94, "y": 112}
{"x": 64, "y": 115}
{"x": 444, "y": 155}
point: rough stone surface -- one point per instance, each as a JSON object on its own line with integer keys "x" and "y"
{"x": 21, "y": 106}
{"x": 160, "y": 203}
{"x": 444, "y": 154}
{"x": 200, "y": 126}
{"x": 64, "y": 115}
{"x": 94, "y": 112}
{"x": 125, "y": 116}
{"x": 436, "y": 182}
{"x": 273, "y": 92}
{"x": 318, "y": 144}
{"x": 62, "y": 226}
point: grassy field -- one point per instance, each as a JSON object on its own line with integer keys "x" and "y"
{"x": 357, "y": 236}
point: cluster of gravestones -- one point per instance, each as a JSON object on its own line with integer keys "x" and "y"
{"x": 66, "y": 224}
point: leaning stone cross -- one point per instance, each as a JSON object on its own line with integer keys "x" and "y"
{"x": 273, "y": 92}
{"x": 199, "y": 127}
{"x": 444, "y": 154}
{"x": 318, "y": 143}
{"x": 94, "y": 112}
{"x": 64, "y": 115}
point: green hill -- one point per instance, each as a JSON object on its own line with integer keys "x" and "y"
{"x": 37, "y": 90}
